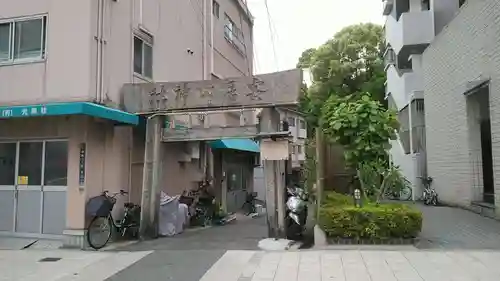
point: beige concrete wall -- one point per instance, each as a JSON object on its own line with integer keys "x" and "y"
{"x": 70, "y": 69}
{"x": 176, "y": 176}
{"x": 107, "y": 163}
{"x": 65, "y": 74}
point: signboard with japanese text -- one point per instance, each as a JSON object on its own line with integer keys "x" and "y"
{"x": 273, "y": 89}
{"x": 81, "y": 165}
{"x": 23, "y": 111}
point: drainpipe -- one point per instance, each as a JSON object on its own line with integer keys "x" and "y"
{"x": 410, "y": 121}
{"x": 98, "y": 53}
{"x": 204, "y": 31}
{"x": 101, "y": 47}
{"x": 211, "y": 38}
{"x": 140, "y": 12}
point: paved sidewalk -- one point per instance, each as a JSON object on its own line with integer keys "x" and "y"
{"x": 454, "y": 228}
{"x": 356, "y": 266}
{"x": 68, "y": 265}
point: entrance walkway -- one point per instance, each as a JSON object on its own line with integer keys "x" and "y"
{"x": 243, "y": 234}
{"x": 453, "y": 228}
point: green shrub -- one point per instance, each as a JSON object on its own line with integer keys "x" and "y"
{"x": 332, "y": 199}
{"x": 371, "y": 221}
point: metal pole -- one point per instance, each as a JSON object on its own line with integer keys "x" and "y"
{"x": 410, "y": 124}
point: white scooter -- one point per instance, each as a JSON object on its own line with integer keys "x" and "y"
{"x": 296, "y": 216}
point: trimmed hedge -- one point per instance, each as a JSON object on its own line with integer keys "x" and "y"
{"x": 339, "y": 218}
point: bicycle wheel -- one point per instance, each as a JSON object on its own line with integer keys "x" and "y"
{"x": 405, "y": 194}
{"x": 99, "y": 232}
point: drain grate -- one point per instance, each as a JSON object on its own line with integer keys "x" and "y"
{"x": 49, "y": 259}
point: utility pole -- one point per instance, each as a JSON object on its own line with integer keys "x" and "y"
{"x": 280, "y": 197}
{"x": 320, "y": 169}
{"x": 274, "y": 171}
{"x": 151, "y": 178}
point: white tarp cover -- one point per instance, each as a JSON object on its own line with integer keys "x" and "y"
{"x": 173, "y": 215}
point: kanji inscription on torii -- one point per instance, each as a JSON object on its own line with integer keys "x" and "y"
{"x": 273, "y": 89}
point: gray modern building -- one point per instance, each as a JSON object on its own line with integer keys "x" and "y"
{"x": 411, "y": 26}
{"x": 462, "y": 107}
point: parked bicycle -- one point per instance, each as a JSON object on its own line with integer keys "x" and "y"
{"x": 251, "y": 201}
{"x": 201, "y": 204}
{"x": 429, "y": 196}
{"x": 102, "y": 225}
{"x": 404, "y": 194}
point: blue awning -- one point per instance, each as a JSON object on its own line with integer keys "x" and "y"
{"x": 68, "y": 108}
{"x": 236, "y": 144}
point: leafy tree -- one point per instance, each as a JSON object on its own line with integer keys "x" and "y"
{"x": 305, "y": 58}
{"x": 361, "y": 125}
{"x": 347, "y": 65}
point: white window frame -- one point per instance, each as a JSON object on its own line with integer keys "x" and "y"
{"x": 216, "y": 8}
{"x": 233, "y": 34}
{"x": 302, "y": 123}
{"x": 43, "y": 42}
{"x": 148, "y": 43}
{"x": 229, "y": 25}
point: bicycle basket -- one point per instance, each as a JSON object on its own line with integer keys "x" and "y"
{"x": 100, "y": 206}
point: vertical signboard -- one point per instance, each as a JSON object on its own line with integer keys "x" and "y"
{"x": 81, "y": 167}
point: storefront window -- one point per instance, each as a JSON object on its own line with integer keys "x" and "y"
{"x": 237, "y": 178}
{"x": 234, "y": 179}
{"x": 30, "y": 162}
{"x": 56, "y": 163}
{"x": 7, "y": 163}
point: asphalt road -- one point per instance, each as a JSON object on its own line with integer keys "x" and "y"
{"x": 188, "y": 256}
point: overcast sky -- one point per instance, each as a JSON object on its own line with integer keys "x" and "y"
{"x": 302, "y": 24}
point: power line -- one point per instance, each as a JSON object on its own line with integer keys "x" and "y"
{"x": 270, "y": 25}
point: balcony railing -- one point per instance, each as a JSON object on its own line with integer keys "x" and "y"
{"x": 418, "y": 135}
{"x": 412, "y": 28}
{"x": 388, "y": 6}
{"x": 401, "y": 84}
{"x": 389, "y": 58}
{"x": 235, "y": 39}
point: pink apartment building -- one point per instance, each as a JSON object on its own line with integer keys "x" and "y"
{"x": 63, "y": 137}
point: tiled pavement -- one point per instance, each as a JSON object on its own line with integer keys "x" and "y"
{"x": 65, "y": 265}
{"x": 452, "y": 228}
{"x": 356, "y": 266}
{"x": 457, "y": 245}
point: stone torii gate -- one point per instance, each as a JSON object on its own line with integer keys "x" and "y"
{"x": 268, "y": 92}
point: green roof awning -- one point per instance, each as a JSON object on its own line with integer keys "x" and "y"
{"x": 68, "y": 108}
{"x": 236, "y": 144}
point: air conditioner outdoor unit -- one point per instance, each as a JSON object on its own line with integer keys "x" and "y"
{"x": 184, "y": 158}
{"x": 194, "y": 149}
{"x": 185, "y": 154}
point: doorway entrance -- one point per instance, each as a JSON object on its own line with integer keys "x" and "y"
{"x": 33, "y": 184}
{"x": 237, "y": 188}
{"x": 478, "y": 108}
